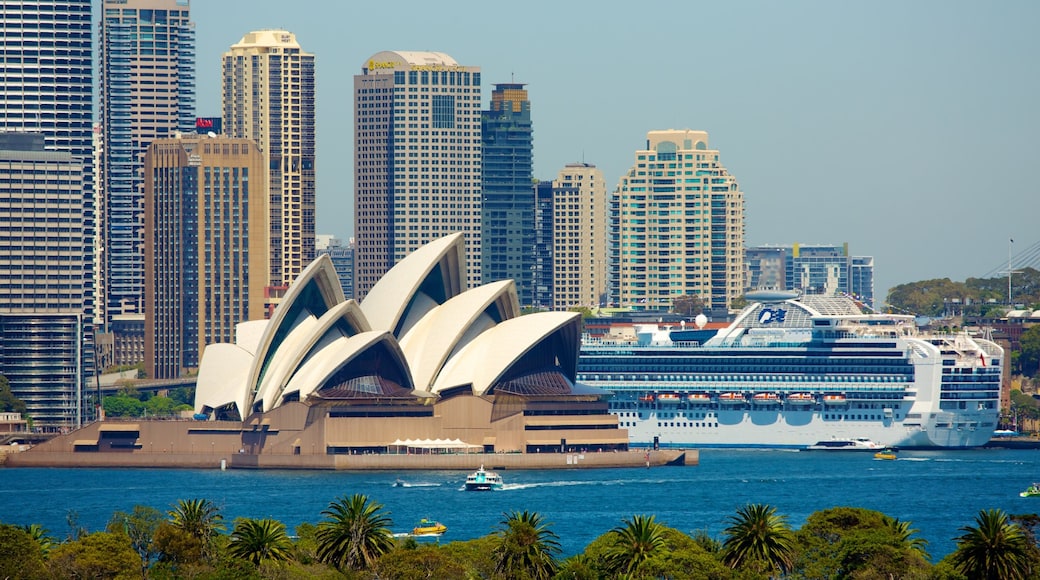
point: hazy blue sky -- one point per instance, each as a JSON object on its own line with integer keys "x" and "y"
{"x": 907, "y": 129}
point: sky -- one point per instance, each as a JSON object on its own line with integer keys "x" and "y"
{"x": 906, "y": 129}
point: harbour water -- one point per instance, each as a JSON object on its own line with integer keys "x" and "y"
{"x": 938, "y": 491}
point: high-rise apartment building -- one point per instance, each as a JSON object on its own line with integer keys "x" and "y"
{"x": 579, "y": 198}
{"x": 542, "y": 259}
{"x": 269, "y": 98}
{"x": 45, "y": 256}
{"x": 417, "y": 160}
{"x": 206, "y": 226}
{"x": 507, "y": 212}
{"x": 820, "y": 269}
{"x": 677, "y": 226}
{"x": 147, "y": 90}
{"x": 342, "y": 257}
{"x": 47, "y": 88}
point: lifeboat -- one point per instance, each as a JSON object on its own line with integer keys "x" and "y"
{"x": 834, "y": 399}
{"x": 766, "y": 398}
{"x": 668, "y": 398}
{"x": 731, "y": 398}
{"x": 647, "y": 398}
{"x": 800, "y": 399}
{"x": 698, "y": 398}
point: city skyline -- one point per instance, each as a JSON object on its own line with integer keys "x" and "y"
{"x": 845, "y": 123}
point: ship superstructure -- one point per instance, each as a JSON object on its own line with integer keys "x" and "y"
{"x": 791, "y": 371}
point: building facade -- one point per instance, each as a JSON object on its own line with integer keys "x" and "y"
{"x": 579, "y": 265}
{"x": 542, "y": 259}
{"x": 677, "y": 226}
{"x": 820, "y": 269}
{"x": 206, "y": 227}
{"x": 507, "y": 211}
{"x": 342, "y": 259}
{"x": 417, "y": 160}
{"x": 45, "y": 257}
{"x": 147, "y": 91}
{"x": 46, "y": 53}
{"x": 269, "y": 98}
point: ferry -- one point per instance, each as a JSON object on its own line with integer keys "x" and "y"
{"x": 483, "y": 480}
{"x": 793, "y": 370}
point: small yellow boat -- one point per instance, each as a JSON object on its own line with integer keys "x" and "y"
{"x": 429, "y": 527}
{"x": 886, "y": 453}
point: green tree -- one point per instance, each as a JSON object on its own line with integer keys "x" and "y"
{"x": 200, "y": 518}
{"x": 139, "y": 525}
{"x": 21, "y": 556}
{"x": 904, "y": 534}
{"x": 257, "y": 541}
{"x": 846, "y": 542}
{"x": 1029, "y": 355}
{"x": 97, "y": 555}
{"x": 8, "y": 402}
{"x": 527, "y": 548}
{"x": 410, "y": 561}
{"x": 41, "y": 536}
{"x": 689, "y": 305}
{"x": 176, "y": 546}
{"x": 633, "y": 543}
{"x": 759, "y": 537}
{"x": 994, "y": 549}
{"x": 354, "y": 534}
{"x": 122, "y": 406}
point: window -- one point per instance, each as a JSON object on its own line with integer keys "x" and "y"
{"x": 443, "y": 112}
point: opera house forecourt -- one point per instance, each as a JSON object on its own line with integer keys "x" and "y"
{"x": 422, "y": 374}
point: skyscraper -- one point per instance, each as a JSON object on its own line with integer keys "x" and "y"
{"x": 821, "y": 269}
{"x": 269, "y": 98}
{"x": 677, "y": 226}
{"x": 507, "y": 222}
{"x": 45, "y": 256}
{"x": 46, "y": 88}
{"x": 579, "y": 237}
{"x": 147, "y": 89}
{"x": 206, "y": 226}
{"x": 417, "y": 160}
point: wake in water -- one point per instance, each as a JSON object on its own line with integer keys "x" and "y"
{"x": 400, "y": 483}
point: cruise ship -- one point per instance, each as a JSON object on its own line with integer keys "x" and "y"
{"x": 792, "y": 371}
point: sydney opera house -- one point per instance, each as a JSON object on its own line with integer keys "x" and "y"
{"x": 420, "y": 359}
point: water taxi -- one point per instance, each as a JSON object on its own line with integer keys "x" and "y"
{"x": 886, "y": 453}
{"x": 483, "y": 480}
{"x": 428, "y": 527}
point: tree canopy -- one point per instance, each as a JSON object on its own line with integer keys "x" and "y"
{"x": 975, "y": 296}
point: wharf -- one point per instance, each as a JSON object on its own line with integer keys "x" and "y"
{"x": 1024, "y": 442}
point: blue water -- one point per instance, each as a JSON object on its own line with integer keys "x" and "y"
{"x": 938, "y": 491}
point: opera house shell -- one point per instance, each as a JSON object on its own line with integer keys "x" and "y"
{"x": 420, "y": 359}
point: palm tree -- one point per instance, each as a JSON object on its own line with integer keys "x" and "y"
{"x": 199, "y": 517}
{"x": 994, "y": 549}
{"x": 354, "y": 534}
{"x": 259, "y": 540}
{"x": 39, "y": 534}
{"x": 526, "y": 547}
{"x": 757, "y": 534}
{"x": 634, "y": 543}
{"x": 904, "y": 534}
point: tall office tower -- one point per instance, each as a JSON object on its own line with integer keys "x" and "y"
{"x": 542, "y": 263}
{"x": 417, "y": 160}
{"x": 678, "y": 226}
{"x": 269, "y": 98}
{"x": 206, "y": 226}
{"x": 342, "y": 259}
{"x": 579, "y": 237}
{"x": 45, "y": 256}
{"x": 766, "y": 267}
{"x": 147, "y": 90}
{"x": 507, "y": 212}
{"x": 47, "y": 87}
